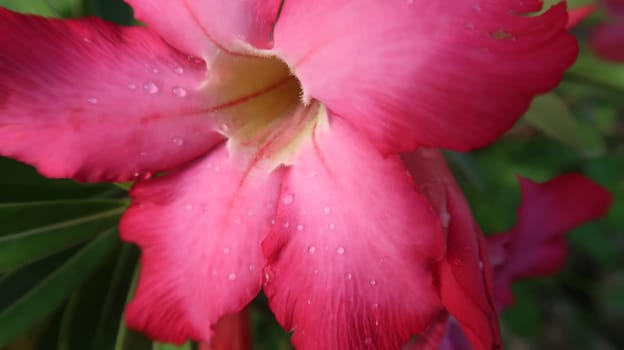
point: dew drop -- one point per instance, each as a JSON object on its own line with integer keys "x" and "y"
{"x": 249, "y": 213}
{"x": 375, "y": 306}
{"x": 480, "y": 265}
{"x": 132, "y": 86}
{"x": 286, "y": 224}
{"x": 155, "y": 70}
{"x": 92, "y": 100}
{"x": 188, "y": 207}
{"x": 226, "y": 250}
{"x": 86, "y": 40}
{"x": 376, "y": 323}
{"x": 178, "y": 70}
{"x": 237, "y": 221}
{"x": 313, "y": 174}
{"x": 445, "y": 219}
{"x": 143, "y": 154}
{"x": 368, "y": 341}
{"x": 272, "y": 221}
{"x": 311, "y": 249}
{"x": 372, "y": 282}
{"x": 178, "y": 91}
{"x": 457, "y": 261}
{"x": 217, "y": 168}
{"x": 251, "y": 267}
{"x": 289, "y": 199}
{"x": 315, "y": 271}
{"x": 327, "y": 210}
{"x": 349, "y": 276}
{"x": 232, "y": 276}
{"x": 299, "y": 227}
{"x": 340, "y": 250}
{"x": 178, "y": 141}
{"x": 331, "y": 226}
{"x": 151, "y": 87}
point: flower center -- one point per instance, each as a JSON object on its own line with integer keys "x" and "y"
{"x": 259, "y": 107}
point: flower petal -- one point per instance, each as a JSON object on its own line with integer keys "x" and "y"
{"x": 204, "y": 27}
{"x": 200, "y": 230}
{"x": 536, "y": 245}
{"x": 97, "y": 102}
{"x": 351, "y": 252}
{"x": 451, "y": 74}
{"x": 464, "y": 274}
{"x": 233, "y": 332}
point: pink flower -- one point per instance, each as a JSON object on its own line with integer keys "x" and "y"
{"x": 607, "y": 39}
{"x": 279, "y": 131}
{"x": 536, "y": 246}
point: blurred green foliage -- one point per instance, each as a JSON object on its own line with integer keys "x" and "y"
{"x": 65, "y": 276}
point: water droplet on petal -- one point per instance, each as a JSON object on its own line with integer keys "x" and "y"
{"x": 249, "y": 213}
{"x": 289, "y": 199}
{"x": 311, "y": 249}
{"x": 372, "y": 282}
{"x": 232, "y": 276}
{"x": 286, "y": 224}
{"x": 332, "y": 226}
{"x": 327, "y": 210}
{"x": 368, "y": 341}
{"x": 309, "y": 301}
{"x": 155, "y": 70}
{"x": 480, "y": 265}
{"x": 132, "y": 86}
{"x": 340, "y": 250}
{"x": 92, "y": 100}
{"x": 178, "y": 141}
{"x": 313, "y": 174}
{"x": 151, "y": 87}
{"x": 178, "y": 70}
{"x": 315, "y": 271}
{"x": 349, "y": 276}
{"x": 237, "y": 221}
{"x": 299, "y": 227}
{"x": 178, "y": 91}
{"x": 251, "y": 267}
{"x": 445, "y": 219}
{"x": 188, "y": 207}
{"x": 226, "y": 250}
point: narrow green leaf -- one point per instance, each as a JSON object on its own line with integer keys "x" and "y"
{"x": 128, "y": 339}
{"x": 550, "y": 115}
{"x": 50, "y": 292}
{"x": 27, "y": 246}
{"x": 17, "y": 218}
{"x": 91, "y": 318}
{"x": 161, "y": 346}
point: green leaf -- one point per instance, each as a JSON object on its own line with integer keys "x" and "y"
{"x": 51, "y": 291}
{"x": 38, "y": 237}
{"x": 128, "y": 339}
{"x": 21, "y": 183}
{"x": 549, "y": 114}
{"x": 91, "y": 318}
{"x": 161, "y": 346}
{"x": 48, "y": 8}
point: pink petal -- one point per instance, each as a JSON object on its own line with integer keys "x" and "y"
{"x": 607, "y": 40}
{"x": 536, "y": 245}
{"x": 578, "y": 14}
{"x": 205, "y": 27}
{"x": 433, "y": 337}
{"x": 350, "y": 255}
{"x": 200, "y": 231}
{"x": 452, "y": 74}
{"x": 464, "y": 274}
{"x": 233, "y": 332}
{"x": 110, "y": 103}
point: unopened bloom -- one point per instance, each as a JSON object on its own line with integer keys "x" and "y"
{"x": 534, "y": 247}
{"x": 278, "y": 126}
{"x": 607, "y": 39}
